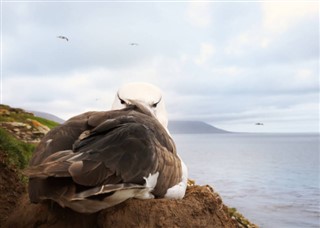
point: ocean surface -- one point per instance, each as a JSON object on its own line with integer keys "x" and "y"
{"x": 272, "y": 179}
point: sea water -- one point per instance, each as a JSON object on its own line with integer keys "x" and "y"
{"x": 272, "y": 179}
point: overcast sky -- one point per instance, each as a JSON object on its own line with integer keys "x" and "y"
{"x": 231, "y": 64}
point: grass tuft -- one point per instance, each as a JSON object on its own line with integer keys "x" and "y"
{"x": 18, "y": 153}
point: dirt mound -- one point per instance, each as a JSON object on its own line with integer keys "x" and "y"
{"x": 201, "y": 207}
{"x": 11, "y": 188}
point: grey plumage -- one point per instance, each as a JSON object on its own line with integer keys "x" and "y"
{"x": 99, "y": 159}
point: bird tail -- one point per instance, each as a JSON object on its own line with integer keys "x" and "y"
{"x": 104, "y": 189}
{"x": 141, "y": 191}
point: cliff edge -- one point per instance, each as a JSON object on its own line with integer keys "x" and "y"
{"x": 201, "y": 207}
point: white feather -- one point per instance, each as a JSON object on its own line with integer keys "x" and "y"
{"x": 145, "y": 94}
{"x": 178, "y": 191}
{"x": 151, "y": 182}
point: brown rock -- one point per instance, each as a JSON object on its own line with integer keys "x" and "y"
{"x": 43, "y": 129}
{"x": 4, "y": 112}
{"x": 30, "y": 132}
{"x": 201, "y": 207}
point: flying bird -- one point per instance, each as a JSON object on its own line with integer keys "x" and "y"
{"x": 99, "y": 159}
{"x": 134, "y": 44}
{"x": 63, "y": 37}
{"x": 259, "y": 124}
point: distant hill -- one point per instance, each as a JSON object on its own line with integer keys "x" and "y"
{"x": 175, "y": 126}
{"x": 192, "y": 127}
{"x": 48, "y": 116}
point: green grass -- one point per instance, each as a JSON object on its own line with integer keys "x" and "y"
{"x": 19, "y": 115}
{"x": 18, "y": 152}
{"x": 49, "y": 123}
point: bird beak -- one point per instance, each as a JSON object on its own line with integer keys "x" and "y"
{"x": 145, "y": 108}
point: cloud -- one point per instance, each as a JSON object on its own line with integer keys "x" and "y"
{"x": 275, "y": 119}
{"x": 229, "y": 64}
{"x": 206, "y": 52}
{"x": 278, "y": 33}
{"x": 280, "y": 16}
{"x": 98, "y": 36}
{"x": 199, "y": 14}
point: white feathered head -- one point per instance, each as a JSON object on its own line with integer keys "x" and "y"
{"x": 146, "y": 94}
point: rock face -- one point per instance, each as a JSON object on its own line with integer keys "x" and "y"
{"x": 30, "y": 132}
{"x": 22, "y": 124}
{"x": 201, "y": 207}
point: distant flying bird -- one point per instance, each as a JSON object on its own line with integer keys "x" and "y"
{"x": 99, "y": 159}
{"x": 63, "y": 37}
{"x": 259, "y": 124}
{"x": 134, "y": 44}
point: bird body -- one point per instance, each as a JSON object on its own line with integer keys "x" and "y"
{"x": 99, "y": 159}
{"x": 63, "y": 37}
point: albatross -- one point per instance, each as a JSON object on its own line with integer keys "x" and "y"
{"x": 99, "y": 159}
{"x": 63, "y": 38}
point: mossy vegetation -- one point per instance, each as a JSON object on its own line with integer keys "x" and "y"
{"x": 17, "y": 153}
{"x": 19, "y": 115}
{"x": 241, "y": 220}
{"x": 49, "y": 123}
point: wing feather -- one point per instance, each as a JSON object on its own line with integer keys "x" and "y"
{"x": 118, "y": 147}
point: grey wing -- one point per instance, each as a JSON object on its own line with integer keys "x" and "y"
{"x": 114, "y": 153}
{"x": 60, "y": 138}
{"x": 117, "y": 151}
{"x": 111, "y": 154}
{"x": 64, "y": 136}
{"x": 132, "y": 148}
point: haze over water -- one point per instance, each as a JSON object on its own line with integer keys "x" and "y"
{"x": 272, "y": 179}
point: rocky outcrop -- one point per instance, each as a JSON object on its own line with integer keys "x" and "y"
{"x": 22, "y": 124}
{"x": 201, "y": 207}
{"x": 30, "y": 132}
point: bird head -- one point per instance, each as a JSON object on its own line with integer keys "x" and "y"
{"x": 145, "y": 94}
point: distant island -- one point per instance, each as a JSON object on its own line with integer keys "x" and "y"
{"x": 48, "y": 116}
{"x": 192, "y": 127}
{"x": 175, "y": 126}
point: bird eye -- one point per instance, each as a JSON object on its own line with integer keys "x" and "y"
{"x": 121, "y": 101}
{"x": 154, "y": 105}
